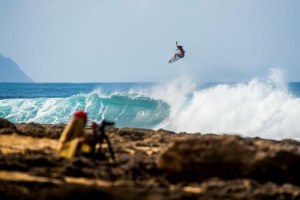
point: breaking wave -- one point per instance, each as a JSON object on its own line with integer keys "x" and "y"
{"x": 261, "y": 107}
{"x": 264, "y": 108}
{"x": 132, "y": 110}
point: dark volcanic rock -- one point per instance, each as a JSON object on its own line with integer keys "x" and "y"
{"x": 6, "y": 127}
{"x": 150, "y": 165}
{"x": 32, "y": 129}
{"x": 135, "y": 134}
{"x": 52, "y": 131}
{"x": 231, "y": 157}
{"x": 208, "y": 156}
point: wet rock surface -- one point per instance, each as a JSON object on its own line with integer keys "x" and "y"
{"x": 149, "y": 165}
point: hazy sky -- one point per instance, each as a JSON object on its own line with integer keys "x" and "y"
{"x": 132, "y": 40}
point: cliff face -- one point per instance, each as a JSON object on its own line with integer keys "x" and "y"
{"x": 10, "y": 71}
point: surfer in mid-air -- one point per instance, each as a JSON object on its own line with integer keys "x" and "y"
{"x": 178, "y": 54}
{"x": 181, "y": 54}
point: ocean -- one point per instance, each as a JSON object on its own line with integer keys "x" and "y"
{"x": 261, "y": 107}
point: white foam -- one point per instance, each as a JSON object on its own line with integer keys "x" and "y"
{"x": 261, "y": 108}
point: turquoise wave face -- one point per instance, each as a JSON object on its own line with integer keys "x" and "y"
{"x": 127, "y": 110}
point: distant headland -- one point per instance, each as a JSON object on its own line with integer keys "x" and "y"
{"x": 11, "y": 72}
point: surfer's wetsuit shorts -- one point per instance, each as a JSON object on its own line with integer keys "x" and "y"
{"x": 179, "y": 55}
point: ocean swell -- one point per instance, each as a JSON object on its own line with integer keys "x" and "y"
{"x": 132, "y": 110}
{"x": 264, "y": 107}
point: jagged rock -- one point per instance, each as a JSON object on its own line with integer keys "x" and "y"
{"x": 149, "y": 165}
{"x": 32, "y": 129}
{"x": 230, "y": 157}
{"x": 6, "y": 127}
{"x": 54, "y": 131}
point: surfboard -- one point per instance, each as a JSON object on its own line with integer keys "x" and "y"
{"x": 70, "y": 137}
{"x": 175, "y": 57}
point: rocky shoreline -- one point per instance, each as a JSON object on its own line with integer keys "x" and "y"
{"x": 149, "y": 165}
